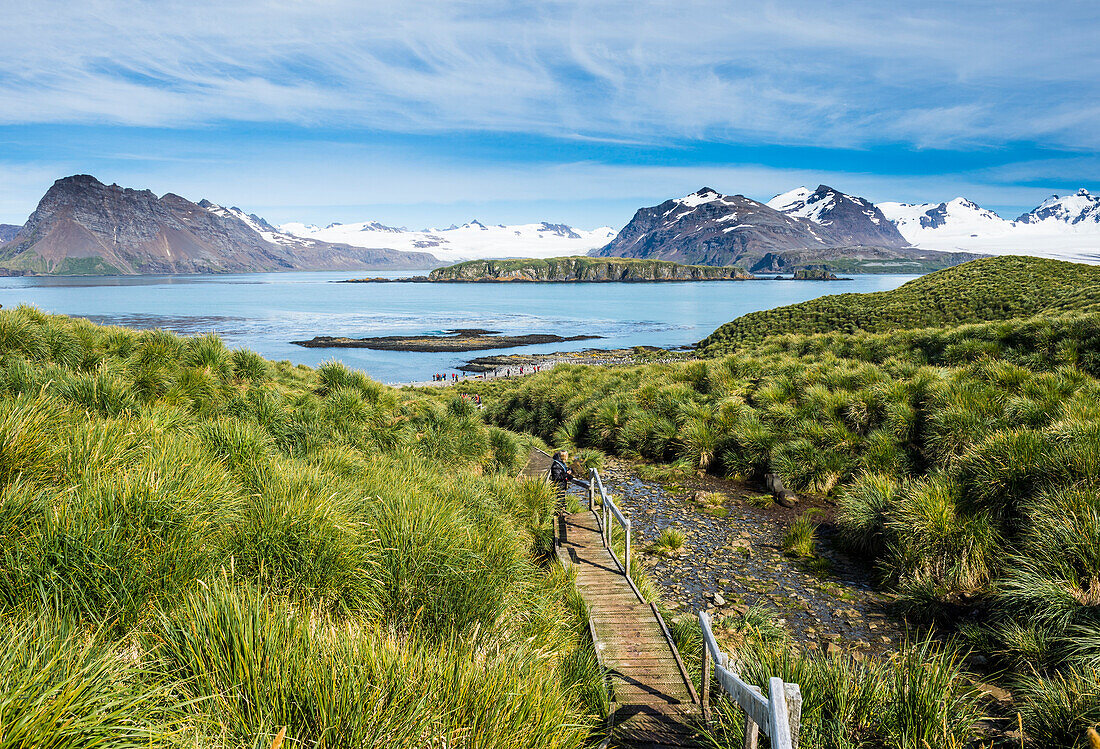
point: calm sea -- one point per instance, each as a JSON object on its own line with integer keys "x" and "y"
{"x": 265, "y": 311}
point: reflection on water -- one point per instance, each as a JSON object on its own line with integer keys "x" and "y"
{"x": 176, "y": 323}
{"x": 265, "y": 311}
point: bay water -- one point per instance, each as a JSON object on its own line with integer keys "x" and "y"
{"x": 266, "y": 311}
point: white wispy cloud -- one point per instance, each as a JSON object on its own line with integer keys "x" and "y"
{"x": 932, "y": 74}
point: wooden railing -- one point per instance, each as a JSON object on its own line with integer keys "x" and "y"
{"x": 779, "y": 714}
{"x": 608, "y": 510}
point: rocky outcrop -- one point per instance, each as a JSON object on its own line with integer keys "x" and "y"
{"x": 583, "y": 269}
{"x": 463, "y": 339}
{"x": 814, "y": 274}
{"x": 84, "y": 227}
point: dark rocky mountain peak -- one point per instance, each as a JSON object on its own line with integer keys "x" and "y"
{"x": 82, "y": 227}
{"x": 796, "y": 227}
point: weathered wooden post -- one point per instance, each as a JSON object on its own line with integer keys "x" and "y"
{"x": 793, "y": 693}
{"x": 704, "y": 684}
{"x": 780, "y": 730}
{"x": 626, "y": 529}
{"x": 752, "y": 728}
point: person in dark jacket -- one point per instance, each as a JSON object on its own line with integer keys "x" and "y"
{"x": 559, "y": 470}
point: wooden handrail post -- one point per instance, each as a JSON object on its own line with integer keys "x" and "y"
{"x": 704, "y": 684}
{"x": 752, "y": 728}
{"x": 626, "y": 529}
{"x": 780, "y": 729}
{"x": 779, "y": 714}
{"x": 793, "y": 694}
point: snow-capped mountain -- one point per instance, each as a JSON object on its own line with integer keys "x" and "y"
{"x": 956, "y": 219}
{"x": 1066, "y": 227}
{"x": 800, "y": 228}
{"x": 471, "y": 241}
{"x": 1080, "y": 209}
{"x": 848, "y": 219}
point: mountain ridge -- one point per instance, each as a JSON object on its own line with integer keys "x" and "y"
{"x": 84, "y": 227}
{"x": 822, "y": 227}
{"x": 1061, "y": 227}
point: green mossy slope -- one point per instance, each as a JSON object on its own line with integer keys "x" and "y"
{"x": 997, "y": 288}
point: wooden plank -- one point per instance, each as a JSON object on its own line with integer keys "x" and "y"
{"x": 704, "y": 683}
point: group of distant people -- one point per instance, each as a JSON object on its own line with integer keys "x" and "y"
{"x": 506, "y": 372}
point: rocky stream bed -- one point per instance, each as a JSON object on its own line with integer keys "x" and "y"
{"x": 733, "y": 558}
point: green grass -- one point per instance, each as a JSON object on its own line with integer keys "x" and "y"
{"x": 964, "y": 461}
{"x": 198, "y": 547}
{"x": 670, "y": 542}
{"x": 918, "y": 697}
{"x": 801, "y": 536}
{"x": 997, "y": 288}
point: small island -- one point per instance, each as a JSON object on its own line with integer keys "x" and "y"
{"x": 572, "y": 269}
{"x": 584, "y": 269}
{"x": 463, "y": 339}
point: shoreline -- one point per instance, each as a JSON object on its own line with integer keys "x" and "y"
{"x": 459, "y": 340}
{"x": 508, "y": 366}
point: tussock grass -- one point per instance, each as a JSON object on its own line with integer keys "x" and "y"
{"x": 919, "y": 697}
{"x": 964, "y": 460}
{"x": 60, "y": 687}
{"x": 198, "y": 547}
{"x": 801, "y": 536}
{"x": 670, "y": 542}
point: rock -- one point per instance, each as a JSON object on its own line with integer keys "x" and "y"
{"x": 832, "y": 649}
{"x": 990, "y": 691}
{"x": 718, "y": 599}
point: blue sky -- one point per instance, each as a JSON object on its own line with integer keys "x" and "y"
{"x": 429, "y": 113}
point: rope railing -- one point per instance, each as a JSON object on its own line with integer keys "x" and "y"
{"x": 779, "y": 714}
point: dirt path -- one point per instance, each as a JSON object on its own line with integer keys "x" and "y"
{"x": 740, "y": 558}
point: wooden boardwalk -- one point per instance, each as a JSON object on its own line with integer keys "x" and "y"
{"x": 653, "y": 703}
{"x": 538, "y": 465}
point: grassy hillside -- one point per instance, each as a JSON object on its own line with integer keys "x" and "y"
{"x": 995, "y": 288}
{"x": 965, "y": 463}
{"x": 198, "y": 547}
